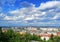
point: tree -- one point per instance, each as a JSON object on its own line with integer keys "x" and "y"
{"x": 28, "y": 37}
{"x": 44, "y": 40}
{"x": 3, "y": 37}
{"x": 57, "y": 39}
{"x": 0, "y": 34}
{"x": 36, "y": 38}
{"x": 17, "y": 37}
{"x": 10, "y": 35}
{"x": 52, "y": 38}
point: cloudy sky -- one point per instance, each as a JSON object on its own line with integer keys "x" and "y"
{"x": 29, "y": 13}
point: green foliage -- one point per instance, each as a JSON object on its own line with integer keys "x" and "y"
{"x": 0, "y": 34}
{"x": 11, "y": 36}
{"x": 44, "y": 40}
{"x": 52, "y": 37}
{"x": 35, "y": 37}
{"x": 57, "y": 39}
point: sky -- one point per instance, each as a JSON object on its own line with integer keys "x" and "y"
{"x": 29, "y": 13}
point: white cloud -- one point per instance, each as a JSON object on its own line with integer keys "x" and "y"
{"x": 43, "y": 13}
{"x": 49, "y": 4}
{"x": 9, "y": 18}
{"x": 48, "y": 11}
{"x": 13, "y": 17}
{"x": 29, "y": 13}
{"x": 36, "y": 14}
{"x": 56, "y": 16}
{"x": 30, "y": 18}
{"x": 15, "y": 12}
{"x": 2, "y": 16}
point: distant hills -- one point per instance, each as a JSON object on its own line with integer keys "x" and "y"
{"x": 32, "y": 26}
